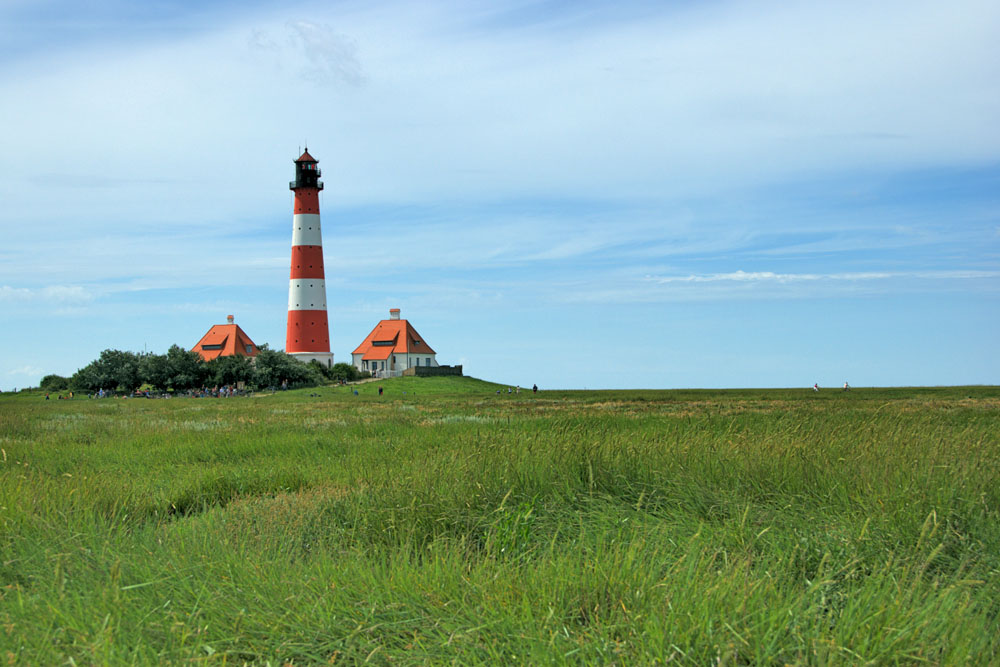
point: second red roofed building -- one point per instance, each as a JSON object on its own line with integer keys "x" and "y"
{"x": 392, "y": 347}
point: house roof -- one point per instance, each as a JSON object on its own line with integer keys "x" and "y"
{"x": 224, "y": 340}
{"x": 393, "y": 337}
{"x": 378, "y": 353}
{"x": 305, "y": 157}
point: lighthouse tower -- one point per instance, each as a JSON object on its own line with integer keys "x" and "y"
{"x": 308, "y": 334}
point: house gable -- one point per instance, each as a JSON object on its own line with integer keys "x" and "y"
{"x": 225, "y": 340}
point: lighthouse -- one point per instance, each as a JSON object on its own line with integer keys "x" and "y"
{"x": 307, "y": 336}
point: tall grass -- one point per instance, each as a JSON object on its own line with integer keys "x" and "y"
{"x": 450, "y": 523}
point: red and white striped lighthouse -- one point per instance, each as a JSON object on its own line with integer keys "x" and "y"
{"x": 308, "y": 334}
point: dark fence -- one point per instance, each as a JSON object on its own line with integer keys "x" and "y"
{"x": 432, "y": 371}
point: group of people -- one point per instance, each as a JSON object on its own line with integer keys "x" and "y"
{"x": 517, "y": 389}
{"x": 847, "y": 387}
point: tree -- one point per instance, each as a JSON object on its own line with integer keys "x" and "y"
{"x": 187, "y": 370}
{"x": 271, "y": 368}
{"x": 345, "y": 372}
{"x": 337, "y": 372}
{"x": 112, "y": 370}
{"x": 154, "y": 369}
{"x": 54, "y": 383}
{"x": 86, "y": 378}
{"x": 230, "y": 370}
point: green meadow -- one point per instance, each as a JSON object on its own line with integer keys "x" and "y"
{"x": 444, "y": 523}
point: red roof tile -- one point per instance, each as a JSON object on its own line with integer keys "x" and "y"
{"x": 377, "y": 353}
{"x": 225, "y": 340}
{"x": 305, "y": 157}
{"x": 405, "y": 340}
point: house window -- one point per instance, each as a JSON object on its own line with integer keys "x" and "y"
{"x": 418, "y": 361}
{"x": 249, "y": 349}
{"x": 428, "y": 361}
{"x": 212, "y": 347}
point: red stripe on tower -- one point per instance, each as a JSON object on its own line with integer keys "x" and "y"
{"x": 307, "y": 336}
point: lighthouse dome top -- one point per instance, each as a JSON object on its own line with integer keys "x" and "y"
{"x": 305, "y": 157}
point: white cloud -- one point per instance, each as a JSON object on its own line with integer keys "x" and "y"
{"x": 673, "y": 103}
{"x": 51, "y": 294}
{"x": 771, "y": 277}
{"x": 26, "y": 370}
{"x": 331, "y": 57}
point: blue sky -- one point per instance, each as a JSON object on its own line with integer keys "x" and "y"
{"x": 580, "y": 194}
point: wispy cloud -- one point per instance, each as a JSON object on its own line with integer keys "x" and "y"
{"x": 332, "y": 57}
{"x": 623, "y": 287}
{"x": 771, "y": 277}
{"x": 32, "y": 371}
{"x": 51, "y": 294}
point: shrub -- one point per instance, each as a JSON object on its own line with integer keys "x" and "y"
{"x": 230, "y": 370}
{"x": 346, "y": 372}
{"x": 187, "y": 369}
{"x": 154, "y": 370}
{"x": 114, "y": 369}
{"x": 272, "y": 367}
{"x": 54, "y": 383}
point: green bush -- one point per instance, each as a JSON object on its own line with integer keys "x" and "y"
{"x": 54, "y": 383}
{"x": 346, "y": 372}
{"x": 272, "y": 368}
{"x": 114, "y": 369}
{"x": 230, "y": 370}
{"x": 337, "y": 372}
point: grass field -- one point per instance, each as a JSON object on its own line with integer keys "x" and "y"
{"x": 452, "y": 524}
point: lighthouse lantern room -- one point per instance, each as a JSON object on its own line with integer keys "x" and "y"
{"x": 307, "y": 336}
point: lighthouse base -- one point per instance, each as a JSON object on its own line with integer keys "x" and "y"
{"x": 325, "y": 358}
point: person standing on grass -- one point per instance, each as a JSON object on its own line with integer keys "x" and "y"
{"x": 380, "y": 390}
{"x": 816, "y": 387}
{"x": 534, "y": 389}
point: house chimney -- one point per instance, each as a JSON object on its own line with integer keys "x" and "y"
{"x": 394, "y": 313}
{"x": 229, "y": 319}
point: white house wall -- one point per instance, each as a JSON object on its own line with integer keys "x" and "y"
{"x": 403, "y": 361}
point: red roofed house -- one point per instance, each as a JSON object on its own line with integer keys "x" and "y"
{"x": 225, "y": 340}
{"x": 392, "y": 347}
